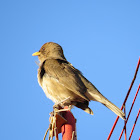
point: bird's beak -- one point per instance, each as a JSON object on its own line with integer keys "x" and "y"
{"x": 36, "y": 54}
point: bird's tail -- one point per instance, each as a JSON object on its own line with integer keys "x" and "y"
{"x": 115, "y": 109}
{"x": 100, "y": 98}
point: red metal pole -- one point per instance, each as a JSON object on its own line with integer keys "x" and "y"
{"x": 130, "y": 110}
{"x": 68, "y": 130}
{"x": 134, "y": 124}
{"x": 125, "y": 135}
{"x": 133, "y": 102}
{"x": 125, "y": 99}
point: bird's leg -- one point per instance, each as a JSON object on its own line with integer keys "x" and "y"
{"x": 65, "y": 109}
{"x": 70, "y": 107}
{"x": 61, "y": 110}
{"x": 60, "y": 105}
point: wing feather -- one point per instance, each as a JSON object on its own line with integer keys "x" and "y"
{"x": 67, "y": 75}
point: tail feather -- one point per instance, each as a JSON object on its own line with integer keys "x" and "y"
{"x": 88, "y": 110}
{"x": 93, "y": 94}
{"x": 115, "y": 109}
{"x": 100, "y": 98}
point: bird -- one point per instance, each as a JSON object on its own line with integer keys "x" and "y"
{"x": 64, "y": 84}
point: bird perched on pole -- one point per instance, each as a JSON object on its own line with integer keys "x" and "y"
{"x": 64, "y": 84}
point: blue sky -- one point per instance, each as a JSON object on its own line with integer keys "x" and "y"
{"x": 100, "y": 38}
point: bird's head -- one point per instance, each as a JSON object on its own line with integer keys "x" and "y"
{"x": 50, "y": 50}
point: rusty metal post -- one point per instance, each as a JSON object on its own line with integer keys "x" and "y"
{"x": 134, "y": 125}
{"x": 137, "y": 68}
{"x": 68, "y": 130}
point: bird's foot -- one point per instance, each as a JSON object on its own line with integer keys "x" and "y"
{"x": 61, "y": 103}
{"x": 58, "y": 109}
{"x": 61, "y": 106}
{"x": 62, "y": 110}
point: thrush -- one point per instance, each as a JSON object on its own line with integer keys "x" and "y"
{"x": 63, "y": 83}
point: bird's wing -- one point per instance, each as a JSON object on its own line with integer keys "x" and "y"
{"x": 94, "y": 94}
{"x": 67, "y": 75}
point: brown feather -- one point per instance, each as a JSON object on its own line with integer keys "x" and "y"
{"x": 60, "y": 81}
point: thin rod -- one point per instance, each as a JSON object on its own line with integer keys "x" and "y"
{"x": 130, "y": 110}
{"x": 134, "y": 124}
{"x": 125, "y": 99}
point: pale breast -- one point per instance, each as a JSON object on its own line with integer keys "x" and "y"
{"x": 48, "y": 89}
{"x": 54, "y": 90}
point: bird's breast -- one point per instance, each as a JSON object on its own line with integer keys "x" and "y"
{"x": 56, "y": 91}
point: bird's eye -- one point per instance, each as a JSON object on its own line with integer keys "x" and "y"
{"x": 43, "y": 49}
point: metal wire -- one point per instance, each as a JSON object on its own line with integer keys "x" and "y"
{"x": 130, "y": 111}
{"x": 135, "y": 75}
{"x": 134, "y": 125}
